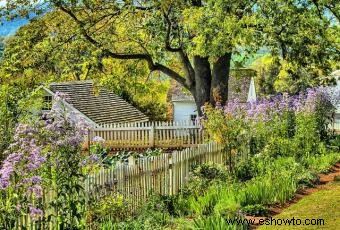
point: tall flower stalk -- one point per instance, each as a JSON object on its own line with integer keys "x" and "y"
{"x": 45, "y": 158}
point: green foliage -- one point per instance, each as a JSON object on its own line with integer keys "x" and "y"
{"x": 210, "y": 172}
{"x": 321, "y": 163}
{"x": 255, "y": 210}
{"x": 267, "y": 69}
{"x": 17, "y": 104}
{"x": 150, "y": 215}
{"x": 113, "y": 207}
{"x": 98, "y": 149}
{"x": 204, "y": 175}
{"x": 269, "y": 189}
{"x": 218, "y": 223}
{"x": 244, "y": 170}
{"x": 335, "y": 142}
{"x": 229, "y": 130}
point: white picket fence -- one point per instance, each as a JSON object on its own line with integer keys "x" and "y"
{"x": 148, "y": 135}
{"x": 165, "y": 174}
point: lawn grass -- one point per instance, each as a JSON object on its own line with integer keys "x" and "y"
{"x": 324, "y": 204}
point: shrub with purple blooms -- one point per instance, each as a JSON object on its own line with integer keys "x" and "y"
{"x": 45, "y": 158}
{"x": 283, "y": 125}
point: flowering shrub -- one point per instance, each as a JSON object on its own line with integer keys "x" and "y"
{"x": 45, "y": 157}
{"x": 281, "y": 125}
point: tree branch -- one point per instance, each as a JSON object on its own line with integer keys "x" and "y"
{"x": 188, "y": 68}
{"x": 336, "y": 14}
{"x": 108, "y": 53}
{"x": 317, "y": 7}
{"x": 167, "y": 37}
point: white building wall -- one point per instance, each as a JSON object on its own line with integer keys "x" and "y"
{"x": 183, "y": 110}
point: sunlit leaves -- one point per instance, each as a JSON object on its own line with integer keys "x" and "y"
{"x": 220, "y": 27}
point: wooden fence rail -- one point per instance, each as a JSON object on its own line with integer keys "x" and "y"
{"x": 164, "y": 174}
{"x": 148, "y": 135}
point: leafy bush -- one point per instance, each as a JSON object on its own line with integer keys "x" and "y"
{"x": 335, "y": 143}
{"x": 269, "y": 189}
{"x": 217, "y": 223}
{"x": 244, "y": 170}
{"x": 151, "y": 215}
{"x": 321, "y": 163}
{"x": 204, "y": 175}
{"x": 255, "y": 210}
{"x": 211, "y": 171}
{"x": 114, "y": 207}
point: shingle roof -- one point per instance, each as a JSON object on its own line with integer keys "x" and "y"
{"x": 103, "y": 107}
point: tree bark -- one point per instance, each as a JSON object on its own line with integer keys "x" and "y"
{"x": 219, "y": 81}
{"x": 202, "y": 82}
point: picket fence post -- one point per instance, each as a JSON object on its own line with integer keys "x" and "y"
{"x": 152, "y": 135}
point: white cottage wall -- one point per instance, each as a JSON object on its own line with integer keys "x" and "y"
{"x": 183, "y": 110}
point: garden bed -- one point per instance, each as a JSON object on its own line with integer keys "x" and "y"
{"x": 277, "y": 209}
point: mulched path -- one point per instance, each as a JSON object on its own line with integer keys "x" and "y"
{"x": 276, "y": 209}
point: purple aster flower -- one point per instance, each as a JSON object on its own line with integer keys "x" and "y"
{"x": 4, "y": 183}
{"x": 35, "y": 213}
{"x": 36, "y": 190}
{"x": 98, "y": 139}
{"x": 94, "y": 158}
{"x": 36, "y": 179}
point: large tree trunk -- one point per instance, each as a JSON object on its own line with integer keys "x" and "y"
{"x": 219, "y": 81}
{"x": 211, "y": 85}
{"x": 202, "y": 82}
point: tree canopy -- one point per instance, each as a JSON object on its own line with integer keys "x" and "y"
{"x": 191, "y": 41}
{"x": 34, "y": 57}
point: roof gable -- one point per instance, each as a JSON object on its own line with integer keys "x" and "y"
{"x": 101, "y": 107}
